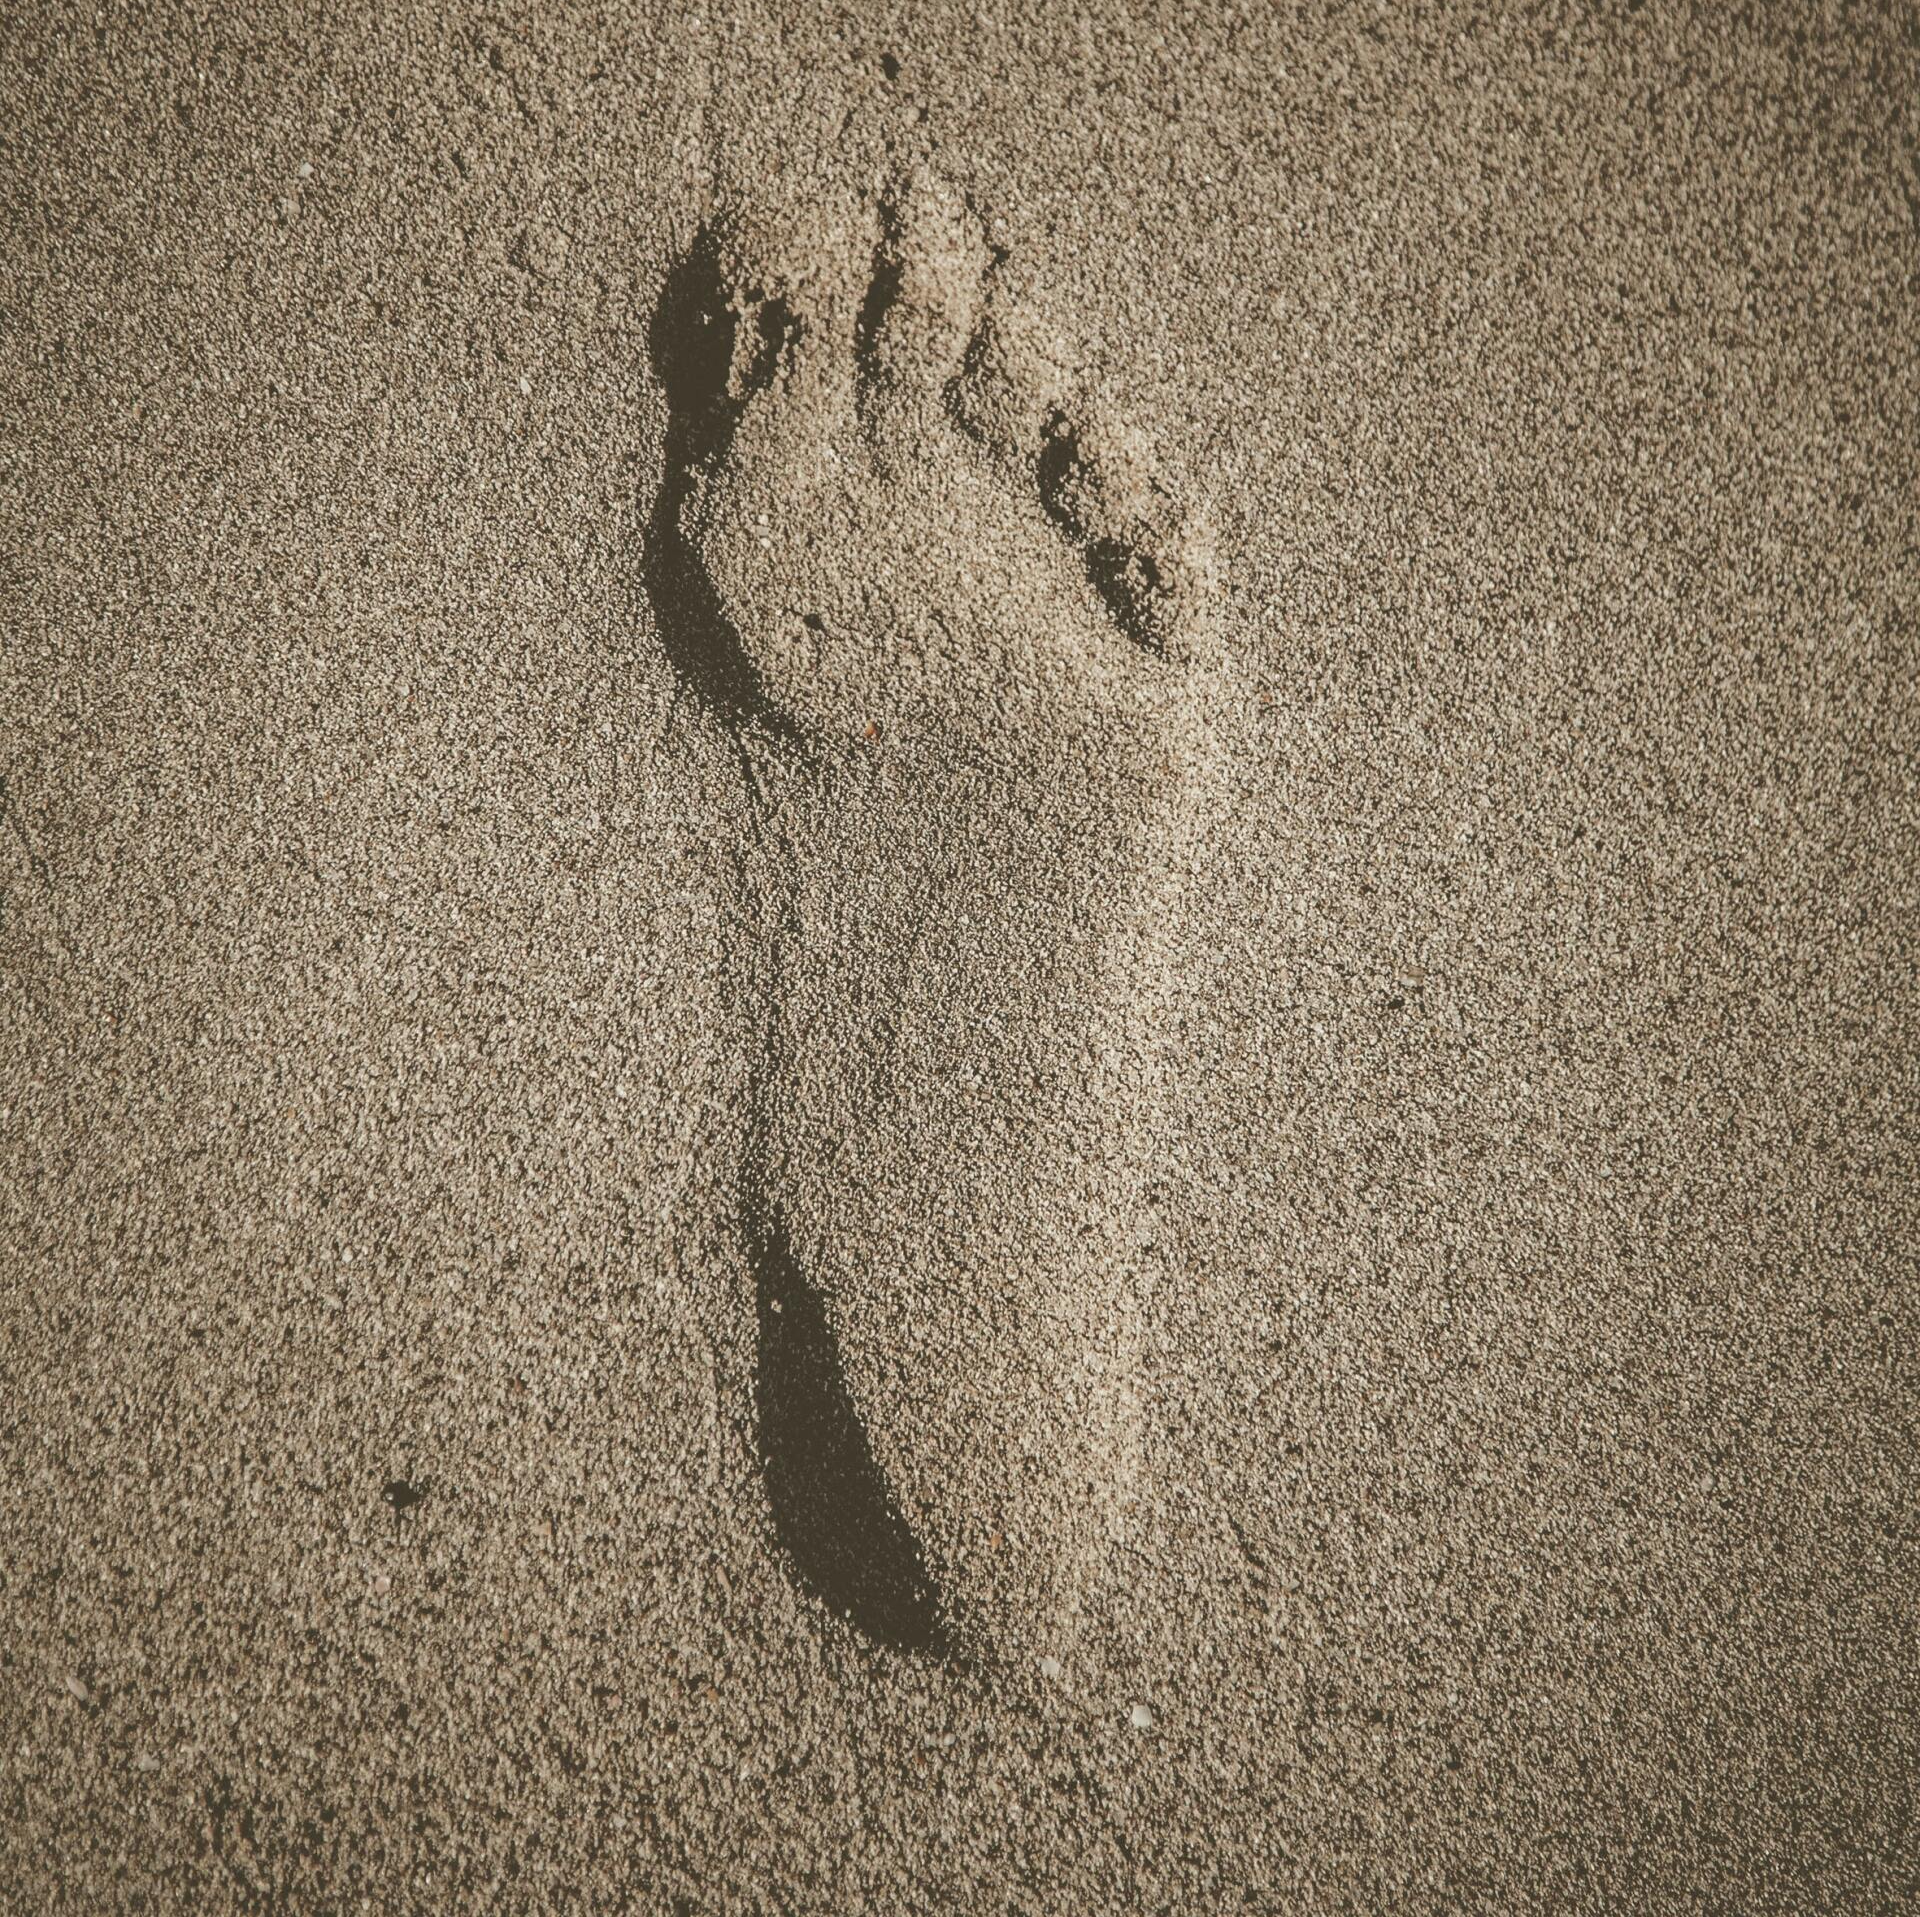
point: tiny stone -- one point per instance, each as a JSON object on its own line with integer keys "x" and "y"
{"x": 540, "y": 250}
{"x": 78, "y": 1689}
{"x": 1050, "y": 1667}
{"x": 1140, "y": 1717}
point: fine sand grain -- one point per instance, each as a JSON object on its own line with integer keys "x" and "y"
{"x": 959, "y": 963}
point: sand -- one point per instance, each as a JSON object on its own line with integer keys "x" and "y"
{"x": 958, "y": 965}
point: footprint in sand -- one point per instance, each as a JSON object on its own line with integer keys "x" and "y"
{"x": 957, "y": 639}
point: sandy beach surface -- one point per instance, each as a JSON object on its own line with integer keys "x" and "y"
{"x": 959, "y": 962}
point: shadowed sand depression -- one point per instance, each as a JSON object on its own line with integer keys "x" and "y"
{"x": 885, "y": 511}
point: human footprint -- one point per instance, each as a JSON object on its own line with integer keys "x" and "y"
{"x": 956, "y": 636}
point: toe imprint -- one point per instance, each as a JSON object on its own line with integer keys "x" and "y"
{"x": 1145, "y": 554}
{"x": 711, "y": 356}
{"x": 1119, "y": 532}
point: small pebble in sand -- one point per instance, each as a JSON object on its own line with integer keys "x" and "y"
{"x": 1140, "y": 1718}
{"x": 80, "y": 1692}
{"x": 1050, "y": 1668}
